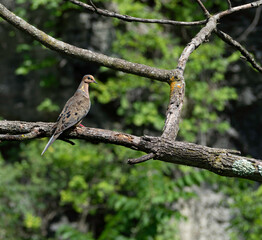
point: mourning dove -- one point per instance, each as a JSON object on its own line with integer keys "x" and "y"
{"x": 75, "y": 109}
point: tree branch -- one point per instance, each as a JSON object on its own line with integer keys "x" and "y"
{"x": 177, "y": 92}
{"x": 240, "y": 8}
{"x": 127, "y": 18}
{"x": 177, "y": 83}
{"x": 240, "y": 48}
{"x": 84, "y": 54}
{"x": 141, "y": 159}
{"x": 229, "y": 4}
{"x": 202, "y": 36}
{"x": 207, "y": 30}
{"x": 219, "y": 161}
{"x": 207, "y": 14}
{"x": 252, "y": 26}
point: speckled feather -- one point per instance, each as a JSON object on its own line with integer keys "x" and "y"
{"x": 75, "y": 109}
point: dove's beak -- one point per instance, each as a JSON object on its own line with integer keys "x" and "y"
{"x": 95, "y": 81}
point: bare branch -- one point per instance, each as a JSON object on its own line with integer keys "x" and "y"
{"x": 116, "y": 63}
{"x": 252, "y": 26}
{"x": 177, "y": 83}
{"x": 177, "y": 80}
{"x": 141, "y": 159}
{"x": 93, "y": 5}
{"x": 219, "y": 161}
{"x": 240, "y": 8}
{"x": 240, "y": 48}
{"x": 229, "y": 4}
{"x": 84, "y": 54}
{"x": 207, "y": 30}
{"x": 177, "y": 92}
{"x": 202, "y": 36}
{"x": 132, "y": 19}
{"x": 207, "y": 14}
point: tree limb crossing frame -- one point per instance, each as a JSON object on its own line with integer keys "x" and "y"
{"x": 224, "y": 162}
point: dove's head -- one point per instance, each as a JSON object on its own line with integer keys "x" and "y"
{"x": 89, "y": 79}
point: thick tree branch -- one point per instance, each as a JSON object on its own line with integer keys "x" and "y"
{"x": 177, "y": 83}
{"x": 177, "y": 92}
{"x": 225, "y": 37}
{"x": 127, "y": 18}
{"x": 84, "y": 54}
{"x": 219, "y": 161}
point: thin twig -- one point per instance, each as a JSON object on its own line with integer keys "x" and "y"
{"x": 229, "y": 4}
{"x": 207, "y": 14}
{"x": 240, "y": 48}
{"x": 66, "y": 140}
{"x": 127, "y": 18}
{"x": 252, "y": 26}
{"x": 93, "y": 5}
{"x": 141, "y": 159}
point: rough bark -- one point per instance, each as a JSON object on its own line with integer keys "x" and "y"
{"x": 224, "y": 162}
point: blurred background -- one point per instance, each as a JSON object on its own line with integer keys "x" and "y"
{"x": 87, "y": 191}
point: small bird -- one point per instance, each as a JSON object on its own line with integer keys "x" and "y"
{"x": 75, "y": 109}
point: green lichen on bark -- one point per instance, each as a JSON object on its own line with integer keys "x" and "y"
{"x": 243, "y": 167}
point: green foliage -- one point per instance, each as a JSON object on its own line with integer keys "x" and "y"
{"x": 31, "y": 221}
{"x": 139, "y": 201}
{"x": 76, "y": 193}
{"x": 51, "y": 5}
{"x": 47, "y": 106}
{"x": 246, "y": 204}
{"x": 66, "y": 232}
{"x": 29, "y": 65}
{"x": 206, "y": 93}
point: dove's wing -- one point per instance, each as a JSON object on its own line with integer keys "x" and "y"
{"x": 75, "y": 109}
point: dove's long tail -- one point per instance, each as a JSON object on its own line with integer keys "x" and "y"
{"x": 51, "y": 140}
